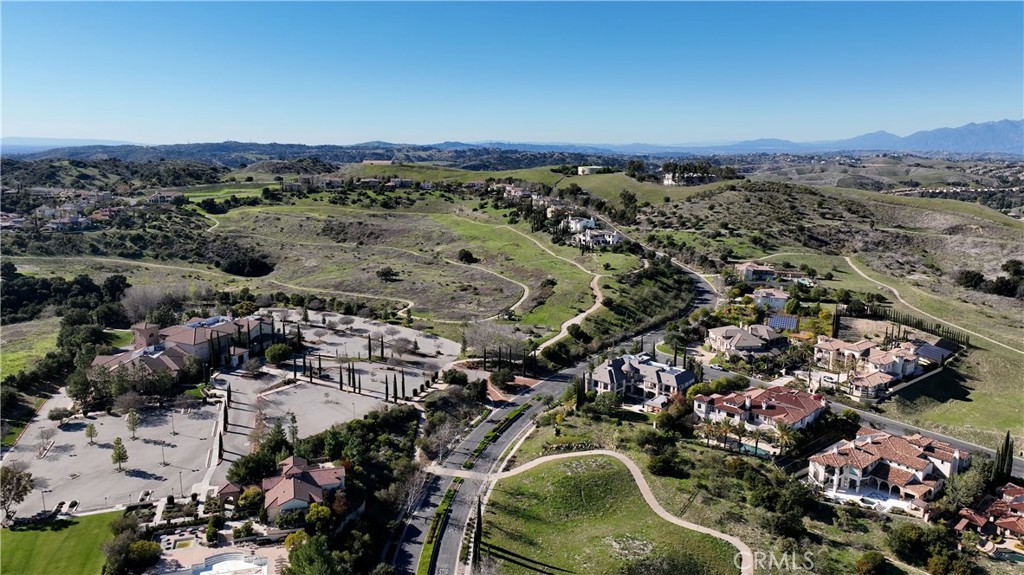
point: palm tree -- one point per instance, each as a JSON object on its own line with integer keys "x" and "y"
{"x": 785, "y": 435}
{"x": 757, "y": 435}
{"x": 740, "y": 431}
{"x": 706, "y": 429}
{"x": 726, "y": 430}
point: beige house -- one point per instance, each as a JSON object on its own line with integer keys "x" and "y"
{"x": 912, "y": 467}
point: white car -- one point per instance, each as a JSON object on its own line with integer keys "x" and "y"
{"x": 716, "y": 366}
{"x": 829, "y": 379}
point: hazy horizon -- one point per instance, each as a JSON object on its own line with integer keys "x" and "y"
{"x": 655, "y": 73}
{"x": 30, "y": 140}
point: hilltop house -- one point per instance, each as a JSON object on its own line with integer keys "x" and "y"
{"x": 592, "y": 238}
{"x": 743, "y": 342}
{"x": 773, "y": 299}
{"x": 639, "y": 376}
{"x": 872, "y": 370}
{"x": 577, "y": 225}
{"x": 298, "y": 485}
{"x": 751, "y": 272}
{"x": 1000, "y": 515}
{"x": 165, "y": 197}
{"x": 763, "y": 409}
{"x": 911, "y": 467}
{"x": 588, "y": 170}
{"x": 219, "y": 339}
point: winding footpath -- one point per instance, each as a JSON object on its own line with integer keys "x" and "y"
{"x": 595, "y": 283}
{"x": 747, "y": 564}
{"x": 939, "y": 319}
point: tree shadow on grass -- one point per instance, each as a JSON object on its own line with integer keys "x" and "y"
{"x": 523, "y": 561}
{"x": 42, "y": 523}
{"x": 941, "y": 388}
{"x": 630, "y": 416}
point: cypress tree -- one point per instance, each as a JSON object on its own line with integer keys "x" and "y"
{"x": 382, "y": 347}
{"x": 580, "y": 394}
{"x": 1008, "y": 454}
{"x": 485, "y": 359}
{"x": 394, "y": 388}
{"x": 478, "y": 532}
{"x": 403, "y": 383}
{"x": 385, "y": 389}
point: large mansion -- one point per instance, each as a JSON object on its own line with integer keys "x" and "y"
{"x": 914, "y": 467}
{"x": 764, "y": 409}
{"x": 871, "y": 368}
{"x": 639, "y": 376}
{"x": 219, "y": 339}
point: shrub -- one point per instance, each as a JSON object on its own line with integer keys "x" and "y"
{"x": 871, "y": 563}
{"x": 59, "y": 413}
{"x": 143, "y": 554}
{"x": 278, "y": 353}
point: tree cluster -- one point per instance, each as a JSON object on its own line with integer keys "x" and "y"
{"x": 1011, "y": 285}
{"x": 24, "y": 297}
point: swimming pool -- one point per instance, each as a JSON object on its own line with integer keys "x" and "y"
{"x": 1011, "y": 556}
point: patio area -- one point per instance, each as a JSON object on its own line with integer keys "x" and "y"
{"x": 872, "y": 498}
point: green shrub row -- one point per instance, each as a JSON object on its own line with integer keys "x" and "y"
{"x": 494, "y": 434}
{"x": 427, "y": 556}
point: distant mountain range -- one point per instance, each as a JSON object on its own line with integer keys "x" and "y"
{"x": 15, "y": 145}
{"x": 1002, "y": 137}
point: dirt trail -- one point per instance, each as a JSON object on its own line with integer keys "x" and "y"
{"x": 747, "y": 561}
{"x": 924, "y": 313}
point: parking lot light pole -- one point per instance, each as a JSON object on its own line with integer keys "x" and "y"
{"x": 180, "y": 487}
{"x": 172, "y": 425}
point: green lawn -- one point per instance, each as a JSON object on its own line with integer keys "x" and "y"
{"x": 585, "y": 515}
{"x": 65, "y": 547}
{"x": 119, "y": 337}
{"x": 26, "y": 342}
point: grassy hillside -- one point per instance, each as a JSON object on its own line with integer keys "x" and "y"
{"x": 585, "y": 516}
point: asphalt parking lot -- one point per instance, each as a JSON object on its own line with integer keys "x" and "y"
{"x": 73, "y": 470}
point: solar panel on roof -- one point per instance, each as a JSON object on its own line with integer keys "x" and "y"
{"x": 783, "y": 322}
{"x": 933, "y": 354}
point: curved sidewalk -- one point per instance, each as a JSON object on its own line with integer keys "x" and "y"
{"x": 747, "y": 567}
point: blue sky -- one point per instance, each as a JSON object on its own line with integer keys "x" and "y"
{"x": 573, "y": 72}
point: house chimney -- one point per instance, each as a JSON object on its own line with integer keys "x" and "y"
{"x": 764, "y": 404}
{"x": 746, "y": 402}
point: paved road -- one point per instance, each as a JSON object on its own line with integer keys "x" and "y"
{"x": 411, "y": 542}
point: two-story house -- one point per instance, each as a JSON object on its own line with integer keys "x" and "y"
{"x": 639, "y": 376}
{"x": 773, "y": 299}
{"x": 764, "y": 409}
{"x": 743, "y": 342}
{"x": 908, "y": 467}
